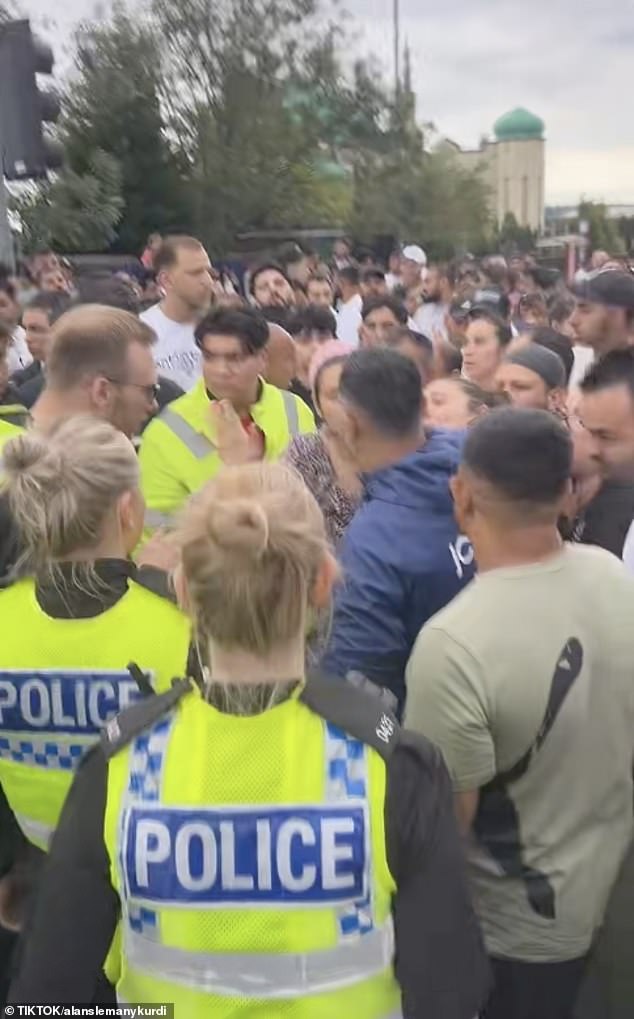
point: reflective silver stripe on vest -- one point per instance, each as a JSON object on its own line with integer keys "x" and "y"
{"x": 197, "y": 444}
{"x": 389, "y": 1015}
{"x": 35, "y": 831}
{"x": 154, "y": 518}
{"x": 262, "y": 975}
{"x": 292, "y": 412}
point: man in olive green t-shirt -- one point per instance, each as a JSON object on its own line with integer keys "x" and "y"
{"x": 526, "y": 683}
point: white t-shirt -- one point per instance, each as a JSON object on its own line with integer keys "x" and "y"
{"x": 584, "y": 356}
{"x": 175, "y": 353}
{"x": 18, "y": 355}
{"x": 349, "y": 320}
{"x": 430, "y": 320}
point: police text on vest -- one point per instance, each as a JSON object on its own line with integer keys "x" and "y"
{"x": 63, "y": 700}
{"x": 283, "y": 855}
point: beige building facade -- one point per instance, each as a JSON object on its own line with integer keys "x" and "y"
{"x": 513, "y": 165}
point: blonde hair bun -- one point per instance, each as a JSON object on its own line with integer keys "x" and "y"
{"x": 25, "y": 452}
{"x": 252, "y": 543}
{"x": 239, "y": 525}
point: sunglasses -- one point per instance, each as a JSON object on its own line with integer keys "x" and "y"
{"x": 151, "y": 391}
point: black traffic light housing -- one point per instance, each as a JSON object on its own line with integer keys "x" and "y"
{"x": 24, "y": 109}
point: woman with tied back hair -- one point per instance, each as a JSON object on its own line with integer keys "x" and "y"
{"x": 71, "y": 629}
{"x": 270, "y": 845}
{"x": 455, "y": 402}
{"x": 320, "y": 458}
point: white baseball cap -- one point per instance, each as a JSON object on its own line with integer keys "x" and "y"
{"x": 415, "y": 254}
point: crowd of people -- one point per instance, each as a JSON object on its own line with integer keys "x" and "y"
{"x": 316, "y": 683}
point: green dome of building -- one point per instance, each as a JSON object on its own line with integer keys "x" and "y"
{"x": 518, "y": 125}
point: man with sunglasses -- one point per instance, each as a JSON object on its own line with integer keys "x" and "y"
{"x": 100, "y": 363}
{"x": 230, "y": 416}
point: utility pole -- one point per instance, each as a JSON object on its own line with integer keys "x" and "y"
{"x": 397, "y": 47}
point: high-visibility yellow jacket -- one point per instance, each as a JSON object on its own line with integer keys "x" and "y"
{"x": 62, "y": 679}
{"x": 250, "y": 860}
{"x": 178, "y": 453}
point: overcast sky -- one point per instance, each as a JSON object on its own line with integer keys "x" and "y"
{"x": 569, "y": 61}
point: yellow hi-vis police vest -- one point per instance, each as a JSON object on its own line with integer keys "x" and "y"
{"x": 61, "y": 680}
{"x": 8, "y": 431}
{"x": 249, "y": 857}
{"x": 178, "y": 452}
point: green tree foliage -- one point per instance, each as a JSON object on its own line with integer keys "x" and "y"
{"x": 74, "y": 212}
{"x": 232, "y": 115}
{"x": 232, "y": 93}
{"x": 603, "y": 233}
{"x": 402, "y": 189}
{"x": 112, "y": 104}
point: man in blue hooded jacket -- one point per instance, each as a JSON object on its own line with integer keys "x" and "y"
{"x": 403, "y": 556}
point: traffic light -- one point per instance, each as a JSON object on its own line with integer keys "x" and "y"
{"x": 24, "y": 109}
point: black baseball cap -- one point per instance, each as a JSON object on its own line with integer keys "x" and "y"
{"x": 611, "y": 287}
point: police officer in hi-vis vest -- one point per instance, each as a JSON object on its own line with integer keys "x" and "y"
{"x": 73, "y": 624}
{"x": 267, "y": 846}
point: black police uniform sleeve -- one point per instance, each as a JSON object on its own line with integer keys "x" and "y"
{"x": 441, "y": 963}
{"x": 75, "y": 912}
